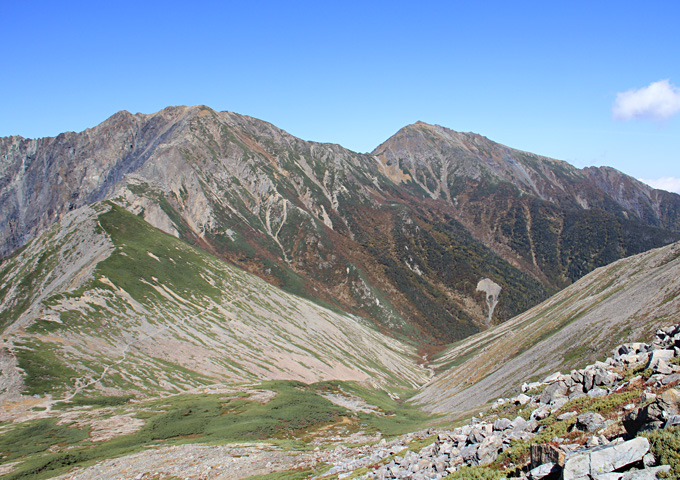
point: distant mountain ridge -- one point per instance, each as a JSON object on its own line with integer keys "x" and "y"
{"x": 401, "y": 235}
{"x": 530, "y": 203}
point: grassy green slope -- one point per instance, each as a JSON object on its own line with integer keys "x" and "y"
{"x": 153, "y": 314}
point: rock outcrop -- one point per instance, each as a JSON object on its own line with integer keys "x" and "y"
{"x": 598, "y": 446}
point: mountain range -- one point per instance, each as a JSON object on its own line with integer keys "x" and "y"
{"x": 400, "y": 236}
{"x": 194, "y": 275}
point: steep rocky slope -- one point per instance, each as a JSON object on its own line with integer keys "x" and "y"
{"x": 401, "y": 236}
{"x": 103, "y": 302}
{"x": 622, "y": 302}
{"x": 544, "y": 215}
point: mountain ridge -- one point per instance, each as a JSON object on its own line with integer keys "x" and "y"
{"x": 367, "y": 233}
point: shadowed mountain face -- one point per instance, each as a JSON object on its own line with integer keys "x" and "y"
{"x": 401, "y": 236}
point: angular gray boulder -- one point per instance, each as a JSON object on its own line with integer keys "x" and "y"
{"x": 602, "y": 460}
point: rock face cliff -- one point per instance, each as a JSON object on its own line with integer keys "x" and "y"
{"x": 401, "y": 236}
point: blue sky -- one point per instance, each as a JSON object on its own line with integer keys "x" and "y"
{"x": 539, "y": 76}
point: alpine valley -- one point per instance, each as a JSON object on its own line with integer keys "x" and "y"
{"x": 199, "y": 277}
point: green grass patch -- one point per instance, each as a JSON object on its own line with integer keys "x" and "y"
{"x": 397, "y": 417}
{"x": 132, "y": 263}
{"x": 511, "y": 410}
{"x": 81, "y": 400}
{"x": 476, "y": 473}
{"x": 173, "y": 420}
{"x": 602, "y": 405}
{"x": 665, "y": 445}
{"x": 36, "y": 436}
{"x": 45, "y": 372}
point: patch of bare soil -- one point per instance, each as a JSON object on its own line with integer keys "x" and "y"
{"x": 197, "y": 462}
{"x": 102, "y": 423}
{"x": 7, "y": 467}
{"x": 352, "y": 402}
{"x": 108, "y": 428}
{"x": 345, "y": 431}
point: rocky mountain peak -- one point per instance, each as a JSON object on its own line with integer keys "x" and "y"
{"x": 369, "y": 233}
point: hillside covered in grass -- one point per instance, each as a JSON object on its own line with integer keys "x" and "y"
{"x": 105, "y": 303}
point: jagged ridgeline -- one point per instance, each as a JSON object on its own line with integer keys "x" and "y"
{"x": 401, "y": 236}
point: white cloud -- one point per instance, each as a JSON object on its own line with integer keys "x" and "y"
{"x": 658, "y": 101}
{"x": 670, "y": 184}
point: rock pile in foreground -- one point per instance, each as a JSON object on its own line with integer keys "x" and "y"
{"x": 596, "y": 446}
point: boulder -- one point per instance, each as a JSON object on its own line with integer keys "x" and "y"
{"x": 518, "y": 424}
{"x": 543, "y": 453}
{"x": 605, "y": 378}
{"x": 558, "y": 403}
{"x": 649, "y": 460}
{"x": 476, "y": 436}
{"x": 469, "y": 454}
{"x": 588, "y": 379}
{"x": 663, "y": 368}
{"x": 543, "y": 471}
{"x": 577, "y": 376}
{"x": 501, "y": 424}
{"x": 597, "y": 392}
{"x": 601, "y": 460}
{"x": 567, "y": 415}
{"x": 644, "y": 474}
{"x": 655, "y": 414}
{"x": 488, "y": 449}
{"x": 657, "y": 355}
{"x": 540, "y": 413}
{"x": 443, "y": 447}
{"x": 554, "y": 391}
{"x": 647, "y": 396}
{"x": 589, "y": 422}
{"x": 672, "y": 421}
{"x": 552, "y": 377}
{"x": 635, "y": 359}
{"x": 608, "y": 459}
{"x": 668, "y": 379}
{"x": 577, "y": 467}
{"x": 592, "y": 442}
